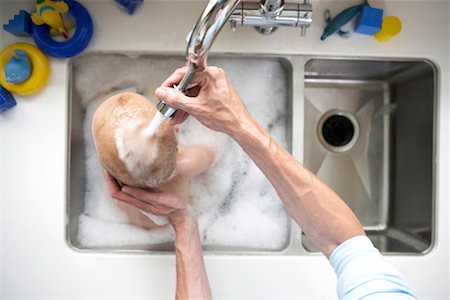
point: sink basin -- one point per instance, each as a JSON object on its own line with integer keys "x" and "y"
{"x": 237, "y": 208}
{"x": 370, "y": 135}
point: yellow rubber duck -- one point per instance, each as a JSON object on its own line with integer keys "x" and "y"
{"x": 51, "y": 13}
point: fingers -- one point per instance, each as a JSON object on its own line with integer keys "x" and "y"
{"x": 116, "y": 192}
{"x": 136, "y": 203}
{"x": 178, "y": 117}
{"x": 138, "y": 193}
{"x": 198, "y": 78}
{"x": 111, "y": 182}
{"x": 153, "y": 198}
{"x": 173, "y": 97}
{"x": 175, "y": 78}
{"x": 159, "y": 200}
{"x": 158, "y": 203}
{"x": 120, "y": 195}
{"x": 193, "y": 92}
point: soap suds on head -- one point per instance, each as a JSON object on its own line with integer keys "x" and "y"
{"x": 137, "y": 151}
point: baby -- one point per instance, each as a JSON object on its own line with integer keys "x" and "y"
{"x": 139, "y": 159}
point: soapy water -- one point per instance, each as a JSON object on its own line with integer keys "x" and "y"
{"x": 236, "y": 206}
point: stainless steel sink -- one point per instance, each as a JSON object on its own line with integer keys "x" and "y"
{"x": 364, "y": 126}
{"x": 370, "y": 135}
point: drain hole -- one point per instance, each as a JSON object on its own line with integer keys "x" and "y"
{"x": 338, "y": 130}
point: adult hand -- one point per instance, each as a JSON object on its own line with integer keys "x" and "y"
{"x": 157, "y": 202}
{"x": 215, "y": 102}
{"x": 192, "y": 281}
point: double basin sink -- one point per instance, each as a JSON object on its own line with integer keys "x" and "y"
{"x": 366, "y": 127}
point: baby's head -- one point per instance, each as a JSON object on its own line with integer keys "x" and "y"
{"x": 123, "y": 148}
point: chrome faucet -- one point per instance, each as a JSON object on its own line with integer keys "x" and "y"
{"x": 266, "y": 16}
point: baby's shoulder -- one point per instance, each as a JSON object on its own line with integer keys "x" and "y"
{"x": 194, "y": 160}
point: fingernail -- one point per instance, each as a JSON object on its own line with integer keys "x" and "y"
{"x": 125, "y": 189}
{"x": 160, "y": 93}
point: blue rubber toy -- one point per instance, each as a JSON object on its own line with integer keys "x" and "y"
{"x": 20, "y": 25}
{"x": 129, "y": 5}
{"x": 335, "y": 24}
{"x": 7, "y": 100}
{"x": 18, "y": 69}
{"x": 76, "y": 44}
{"x": 369, "y": 21}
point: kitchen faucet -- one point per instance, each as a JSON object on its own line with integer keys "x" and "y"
{"x": 265, "y": 16}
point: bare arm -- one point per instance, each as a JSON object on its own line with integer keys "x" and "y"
{"x": 192, "y": 281}
{"x": 321, "y": 214}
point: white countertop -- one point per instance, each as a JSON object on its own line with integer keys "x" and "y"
{"x": 36, "y": 262}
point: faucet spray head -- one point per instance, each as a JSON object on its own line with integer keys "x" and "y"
{"x": 165, "y": 108}
{"x": 211, "y": 21}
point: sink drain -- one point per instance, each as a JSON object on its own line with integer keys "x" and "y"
{"x": 338, "y": 130}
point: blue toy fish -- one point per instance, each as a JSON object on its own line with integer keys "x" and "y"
{"x": 18, "y": 69}
{"x": 334, "y": 25}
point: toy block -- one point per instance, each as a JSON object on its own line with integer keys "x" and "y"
{"x": 20, "y": 25}
{"x": 369, "y": 21}
{"x": 7, "y": 100}
{"x": 129, "y": 5}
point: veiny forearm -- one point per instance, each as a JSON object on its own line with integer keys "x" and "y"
{"x": 192, "y": 282}
{"x": 321, "y": 214}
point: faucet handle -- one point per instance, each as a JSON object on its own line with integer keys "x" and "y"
{"x": 303, "y": 31}
{"x": 304, "y": 27}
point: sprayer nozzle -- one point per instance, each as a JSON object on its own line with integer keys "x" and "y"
{"x": 165, "y": 109}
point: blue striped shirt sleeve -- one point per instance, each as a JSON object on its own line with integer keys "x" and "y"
{"x": 362, "y": 273}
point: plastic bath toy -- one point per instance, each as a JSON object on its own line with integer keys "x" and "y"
{"x": 20, "y": 25}
{"x": 390, "y": 27}
{"x": 369, "y": 21}
{"x": 40, "y": 69}
{"x": 73, "y": 46}
{"x": 51, "y": 13}
{"x": 18, "y": 69}
{"x": 335, "y": 24}
{"x": 7, "y": 100}
{"x": 129, "y": 5}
